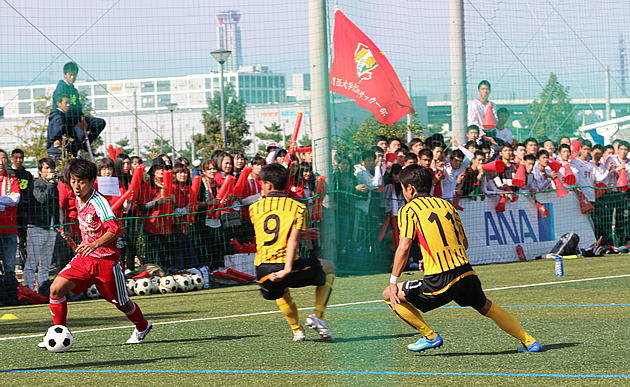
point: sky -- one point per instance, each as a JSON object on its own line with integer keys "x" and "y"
{"x": 514, "y": 44}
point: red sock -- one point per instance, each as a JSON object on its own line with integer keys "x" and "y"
{"x": 59, "y": 310}
{"x": 136, "y": 317}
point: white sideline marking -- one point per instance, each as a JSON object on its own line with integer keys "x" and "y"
{"x": 331, "y": 306}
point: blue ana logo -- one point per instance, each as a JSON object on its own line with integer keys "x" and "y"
{"x": 513, "y": 227}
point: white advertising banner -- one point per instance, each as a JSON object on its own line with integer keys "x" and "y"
{"x": 494, "y": 236}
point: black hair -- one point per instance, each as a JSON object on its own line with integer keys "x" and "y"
{"x": 426, "y": 152}
{"x": 472, "y": 127}
{"x": 304, "y": 167}
{"x": 403, "y": 150}
{"x": 503, "y": 110}
{"x": 377, "y": 149}
{"x": 531, "y": 139}
{"x": 436, "y": 144}
{"x": 367, "y": 154}
{"x": 480, "y": 153}
{"x": 529, "y": 157}
{"x": 598, "y": 146}
{"x": 567, "y": 137}
{"x": 392, "y": 139}
{"x": 548, "y": 139}
{"x": 624, "y": 143}
{"x": 411, "y": 156}
{"x": 118, "y": 169}
{"x": 275, "y": 174}
{"x": 81, "y": 169}
{"x": 136, "y": 158}
{"x": 3, "y": 151}
{"x": 586, "y": 143}
{"x": 542, "y": 152}
{"x": 218, "y": 157}
{"x": 70, "y": 67}
{"x": 46, "y": 160}
{"x": 379, "y": 138}
{"x": 519, "y": 144}
{"x": 564, "y": 146}
{"x": 506, "y": 145}
{"x": 484, "y": 82}
{"x": 182, "y": 160}
{"x": 105, "y": 162}
{"x": 181, "y": 167}
{"x": 472, "y": 143}
{"x": 414, "y": 142}
{"x": 609, "y": 147}
{"x": 61, "y": 96}
{"x": 458, "y": 153}
{"x": 417, "y": 176}
{"x": 259, "y": 160}
{"x": 16, "y": 151}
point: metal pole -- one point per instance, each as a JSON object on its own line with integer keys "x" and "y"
{"x": 222, "y": 107}
{"x": 320, "y": 116}
{"x": 136, "y": 139}
{"x": 173, "y": 136}
{"x": 458, "y": 71}
{"x": 607, "y": 70}
{"x": 409, "y": 134}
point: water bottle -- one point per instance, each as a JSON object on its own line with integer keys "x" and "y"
{"x": 559, "y": 267}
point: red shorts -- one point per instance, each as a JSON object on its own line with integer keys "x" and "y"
{"x": 105, "y": 274}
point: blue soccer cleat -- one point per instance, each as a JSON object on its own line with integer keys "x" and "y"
{"x": 425, "y": 343}
{"x": 536, "y": 347}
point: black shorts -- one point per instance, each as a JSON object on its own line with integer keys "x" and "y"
{"x": 460, "y": 285}
{"x": 306, "y": 272}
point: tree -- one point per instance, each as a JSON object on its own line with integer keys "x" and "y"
{"x": 237, "y": 127}
{"x": 552, "y": 115}
{"x": 124, "y": 146}
{"x": 154, "y": 148}
{"x": 274, "y": 133}
{"x": 364, "y": 136}
{"x": 33, "y": 134}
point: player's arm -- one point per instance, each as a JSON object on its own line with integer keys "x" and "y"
{"x": 292, "y": 245}
{"x": 400, "y": 260}
{"x": 85, "y": 249}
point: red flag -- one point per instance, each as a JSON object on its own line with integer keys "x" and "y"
{"x": 360, "y": 71}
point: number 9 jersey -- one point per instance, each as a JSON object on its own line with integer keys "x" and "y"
{"x": 274, "y": 217}
{"x": 439, "y": 230}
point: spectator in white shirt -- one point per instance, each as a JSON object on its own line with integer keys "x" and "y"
{"x": 543, "y": 175}
{"x": 588, "y": 174}
{"x": 550, "y": 147}
{"x": 503, "y": 133}
{"x": 477, "y": 108}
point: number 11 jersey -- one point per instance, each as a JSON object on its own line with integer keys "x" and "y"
{"x": 440, "y": 232}
{"x": 274, "y": 217}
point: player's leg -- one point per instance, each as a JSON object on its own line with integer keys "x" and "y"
{"x": 409, "y": 314}
{"x": 290, "y": 311}
{"x": 322, "y": 295}
{"x": 58, "y": 304}
{"x": 509, "y": 324}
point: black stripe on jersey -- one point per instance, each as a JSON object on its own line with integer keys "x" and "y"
{"x": 419, "y": 201}
{"x": 437, "y": 202}
{"x": 290, "y": 204}
{"x": 428, "y": 200}
{"x": 452, "y": 260}
{"x": 284, "y": 204}
{"x": 437, "y": 255}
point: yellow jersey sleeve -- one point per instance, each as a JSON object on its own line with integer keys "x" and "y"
{"x": 406, "y": 224}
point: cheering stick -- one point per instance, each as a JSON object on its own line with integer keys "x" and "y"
{"x": 134, "y": 188}
{"x": 296, "y": 130}
{"x": 192, "y": 198}
{"x": 111, "y": 151}
{"x": 242, "y": 180}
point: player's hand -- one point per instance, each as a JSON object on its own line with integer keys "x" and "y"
{"x": 610, "y": 166}
{"x": 454, "y": 142}
{"x": 362, "y": 188}
{"x": 553, "y": 175}
{"x": 310, "y": 234}
{"x": 393, "y": 295}
{"x": 421, "y": 265}
{"x": 278, "y": 275}
{"x": 619, "y": 168}
{"x": 85, "y": 249}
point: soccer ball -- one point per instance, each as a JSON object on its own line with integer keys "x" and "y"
{"x": 143, "y": 286}
{"x": 185, "y": 285}
{"x": 156, "y": 284}
{"x": 58, "y": 339}
{"x": 92, "y": 292}
{"x": 130, "y": 285}
{"x": 168, "y": 285}
{"x": 197, "y": 281}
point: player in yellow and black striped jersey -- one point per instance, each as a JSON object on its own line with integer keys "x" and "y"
{"x": 280, "y": 223}
{"x": 435, "y": 223}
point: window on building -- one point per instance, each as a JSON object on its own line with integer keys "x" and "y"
{"x": 258, "y": 82}
{"x": 100, "y": 104}
{"x": 24, "y": 94}
{"x": 39, "y": 92}
{"x": 282, "y": 82}
{"x": 259, "y": 96}
{"x": 99, "y": 90}
{"x": 232, "y": 79}
{"x": 215, "y": 83}
{"x": 85, "y": 88}
{"x": 1, "y": 112}
{"x": 208, "y": 83}
{"x": 264, "y": 82}
{"x": 25, "y": 107}
{"x": 277, "y": 99}
{"x": 276, "y": 82}
{"x": 163, "y": 99}
{"x": 148, "y": 101}
{"x": 246, "y": 79}
{"x": 163, "y": 86}
{"x": 265, "y": 97}
{"x": 148, "y": 87}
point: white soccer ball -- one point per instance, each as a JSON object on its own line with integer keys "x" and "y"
{"x": 143, "y": 286}
{"x": 58, "y": 339}
{"x": 168, "y": 285}
{"x": 130, "y": 284}
{"x": 156, "y": 284}
{"x": 185, "y": 284}
{"x": 92, "y": 292}
{"x": 197, "y": 281}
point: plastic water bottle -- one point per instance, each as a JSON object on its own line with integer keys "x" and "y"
{"x": 559, "y": 267}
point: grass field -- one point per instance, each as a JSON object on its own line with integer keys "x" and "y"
{"x": 231, "y": 336}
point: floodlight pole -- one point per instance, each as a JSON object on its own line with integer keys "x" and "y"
{"x": 172, "y": 107}
{"x": 221, "y": 56}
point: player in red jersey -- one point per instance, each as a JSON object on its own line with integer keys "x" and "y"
{"x": 97, "y": 257}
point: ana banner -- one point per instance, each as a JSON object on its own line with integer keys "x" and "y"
{"x": 494, "y": 236}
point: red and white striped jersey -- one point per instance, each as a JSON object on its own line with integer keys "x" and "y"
{"x": 95, "y": 219}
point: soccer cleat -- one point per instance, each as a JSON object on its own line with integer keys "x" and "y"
{"x": 299, "y": 336}
{"x": 425, "y": 343}
{"x": 535, "y": 347}
{"x": 320, "y": 326}
{"x": 137, "y": 337}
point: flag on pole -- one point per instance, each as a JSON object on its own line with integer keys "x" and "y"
{"x": 360, "y": 71}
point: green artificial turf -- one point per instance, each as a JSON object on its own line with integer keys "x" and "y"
{"x": 578, "y": 339}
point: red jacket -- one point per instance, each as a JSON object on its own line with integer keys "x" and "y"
{"x": 155, "y": 223}
{"x": 9, "y": 184}
{"x": 68, "y": 203}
